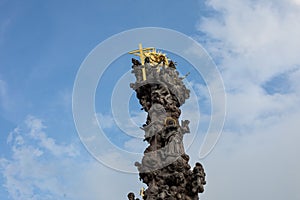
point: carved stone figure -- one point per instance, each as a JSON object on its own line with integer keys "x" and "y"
{"x": 164, "y": 167}
{"x": 131, "y": 196}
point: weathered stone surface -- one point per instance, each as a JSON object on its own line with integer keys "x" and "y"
{"x": 164, "y": 167}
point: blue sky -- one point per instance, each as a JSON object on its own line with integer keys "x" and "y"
{"x": 255, "y": 45}
{"x": 44, "y": 43}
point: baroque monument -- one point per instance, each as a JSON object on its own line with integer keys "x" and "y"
{"x": 164, "y": 167}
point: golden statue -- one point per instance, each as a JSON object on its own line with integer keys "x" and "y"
{"x": 155, "y": 57}
{"x": 151, "y": 56}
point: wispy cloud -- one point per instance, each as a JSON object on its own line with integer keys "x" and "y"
{"x": 41, "y": 168}
{"x": 254, "y": 42}
{"x": 37, "y": 133}
{"x": 250, "y": 166}
{"x": 106, "y": 121}
{"x": 33, "y": 172}
{"x": 257, "y": 42}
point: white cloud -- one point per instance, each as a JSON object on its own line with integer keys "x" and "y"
{"x": 257, "y": 164}
{"x": 40, "y": 168}
{"x": 296, "y": 1}
{"x": 255, "y": 41}
{"x": 36, "y": 127}
{"x": 106, "y": 121}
